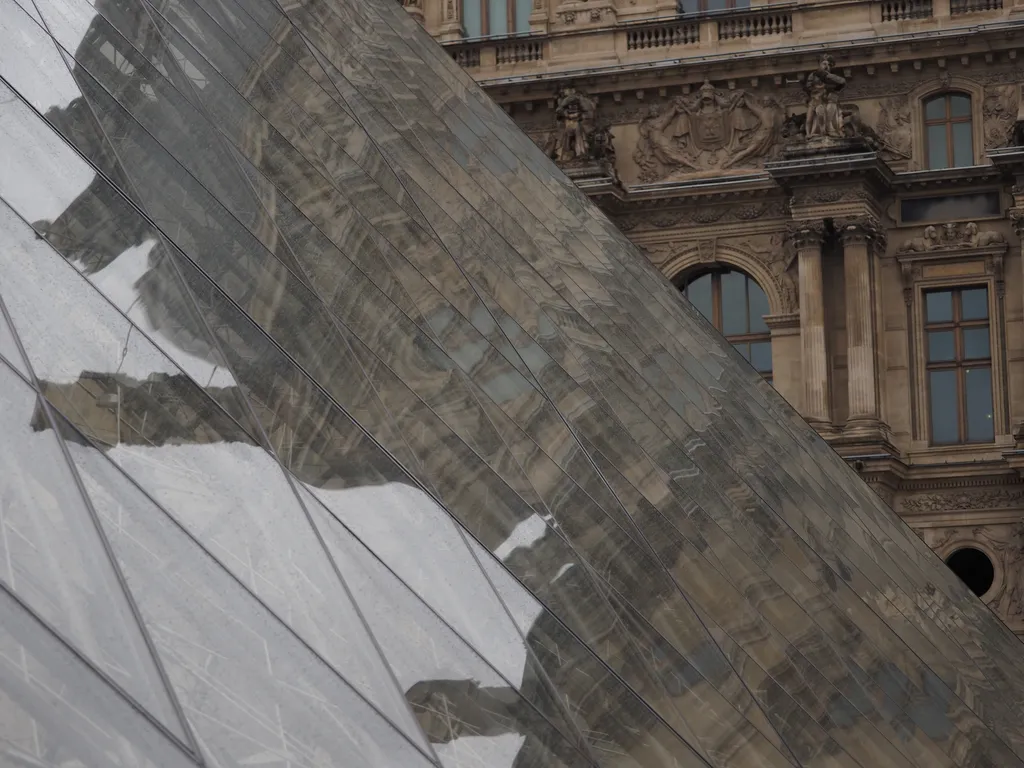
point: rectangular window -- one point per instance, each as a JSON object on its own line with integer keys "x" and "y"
{"x": 495, "y": 18}
{"x": 959, "y": 366}
{"x": 980, "y": 205}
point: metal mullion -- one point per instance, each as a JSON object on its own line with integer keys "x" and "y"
{"x": 510, "y": 14}
{"x": 716, "y": 301}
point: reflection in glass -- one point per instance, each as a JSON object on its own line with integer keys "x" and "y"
{"x": 942, "y": 393}
{"x": 299, "y": 234}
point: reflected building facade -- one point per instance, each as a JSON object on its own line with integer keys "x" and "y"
{"x": 839, "y": 190}
{"x": 339, "y": 428}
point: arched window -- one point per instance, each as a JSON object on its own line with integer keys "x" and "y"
{"x": 948, "y": 131}
{"x": 494, "y": 18}
{"x": 736, "y": 306}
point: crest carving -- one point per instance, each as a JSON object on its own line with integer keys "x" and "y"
{"x": 708, "y": 131}
{"x": 951, "y": 236}
{"x": 999, "y": 110}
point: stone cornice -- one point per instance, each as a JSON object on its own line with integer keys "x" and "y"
{"x": 782, "y": 61}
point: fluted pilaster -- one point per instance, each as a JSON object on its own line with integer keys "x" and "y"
{"x": 817, "y": 408}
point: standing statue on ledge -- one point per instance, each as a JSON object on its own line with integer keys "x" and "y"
{"x": 572, "y": 113}
{"x": 824, "y": 114}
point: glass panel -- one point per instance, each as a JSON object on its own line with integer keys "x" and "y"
{"x": 9, "y": 348}
{"x": 523, "y": 8}
{"x": 959, "y": 105}
{"x": 978, "y": 383}
{"x": 938, "y": 150}
{"x": 761, "y": 356}
{"x": 255, "y": 693}
{"x": 497, "y": 17}
{"x": 976, "y": 343}
{"x": 471, "y": 714}
{"x": 743, "y": 348}
{"x": 734, "y": 303}
{"x": 941, "y": 346}
{"x": 974, "y": 304}
{"x": 939, "y": 307}
{"x": 472, "y": 18}
{"x": 54, "y": 559}
{"x": 59, "y": 712}
{"x": 123, "y": 392}
{"x": 944, "y": 407}
{"x": 699, "y": 294}
{"x": 758, "y": 307}
{"x": 963, "y": 144}
{"x": 935, "y": 108}
{"x": 950, "y": 207}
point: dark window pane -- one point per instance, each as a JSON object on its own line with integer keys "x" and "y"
{"x": 950, "y": 207}
{"x": 978, "y": 384}
{"x": 976, "y": 345}
{"x": 963, "y": 145}
{"x": 761, "y": 356}
{"x": 937, "y": 150}
{"x": 715, "y": 5}
{"x": 688, "y": 6}
{"x": 523, "y": 8}
{"x": 960, "y": 106}
{"x": 734, "y": 303}
{"x": 940, "y": 346}
{"x": 758, "y": 308}
{"x": 744, "y": 349}
{"x": 974, "y": 304}
{"x": 935, "y": 109}
{"x": 699, "y": 294}
{"x": 942, "y": 393}
{"x": 939, "y": 307}
{"x": 497, "y": 17}
{"x": 472, "y": 18}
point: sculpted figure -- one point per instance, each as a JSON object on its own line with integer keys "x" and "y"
{"x": 824, "y": 115}
{"x": 572, "y": 112}
{"x": 928, "y": 242}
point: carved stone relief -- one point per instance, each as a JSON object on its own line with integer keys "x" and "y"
{"x": 894, "y": 128}
{"x": 951, "y": 236}
{"x": 709, "y": 131}
{"x": 1005, "y": 545}
{"x": 965, "y": 501}
{"x": 999, "y": 110}
{"x": 698, "y": 214}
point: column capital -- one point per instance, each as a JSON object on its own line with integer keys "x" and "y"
{"x": 806, "y": 234}
{"x": 861, "y": 229}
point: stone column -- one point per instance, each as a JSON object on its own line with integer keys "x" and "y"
{"x": 859, "y": 237}
{"x": 817, "y": 406}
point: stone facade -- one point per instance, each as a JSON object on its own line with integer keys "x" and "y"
{"x": 791, "y": 142}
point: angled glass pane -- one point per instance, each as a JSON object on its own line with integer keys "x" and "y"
{"x": 58, "y": 711}
{"x": 54, "y": 558}
{"x": 9, "y": 347}
{"x": 472, "y": 715}
{"x": 159, "y": 426}
{"x": 252, "y": 689}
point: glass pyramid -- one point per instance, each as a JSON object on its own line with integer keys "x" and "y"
{"x": 337, "y": 428}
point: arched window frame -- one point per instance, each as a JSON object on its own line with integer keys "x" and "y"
{"x": 515, "y": 11}
{"x": 758, "y": 334}
{"x": 952, "y": 116}
{"x": 935, "y": 87}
